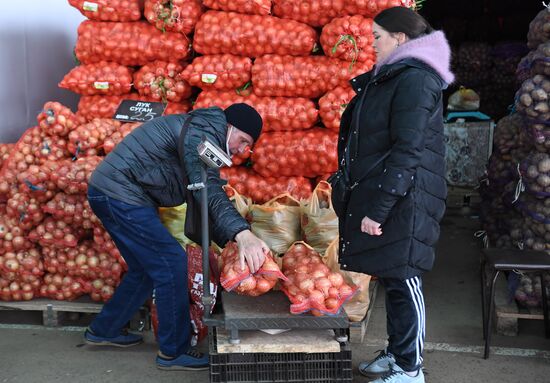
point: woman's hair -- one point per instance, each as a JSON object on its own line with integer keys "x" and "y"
{"x": 405, "y": 20}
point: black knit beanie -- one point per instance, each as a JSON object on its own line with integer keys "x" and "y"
{"x": 246, "y": 118}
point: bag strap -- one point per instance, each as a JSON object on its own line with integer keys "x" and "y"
{"x": 376, "y": 163}
{"x": 181, "y": 145}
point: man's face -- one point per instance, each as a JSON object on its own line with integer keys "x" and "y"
{"x": 238, "y": 141}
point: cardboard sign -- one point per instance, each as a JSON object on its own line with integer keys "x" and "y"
{"x": 138, "y": 111}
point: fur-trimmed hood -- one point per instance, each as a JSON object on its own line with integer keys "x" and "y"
{"x": 432, "y": 49}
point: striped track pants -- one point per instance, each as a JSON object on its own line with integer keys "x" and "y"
{"x": 406, "y": 321}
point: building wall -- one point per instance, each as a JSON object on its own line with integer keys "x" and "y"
{"x": 37, "y": 38}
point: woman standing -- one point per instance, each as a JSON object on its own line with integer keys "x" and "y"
{"x": 391, "y": 145}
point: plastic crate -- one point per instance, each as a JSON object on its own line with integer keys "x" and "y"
{"x": 282, "y": 367}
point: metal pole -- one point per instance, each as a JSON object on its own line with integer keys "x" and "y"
{"x": 206, "y": 297}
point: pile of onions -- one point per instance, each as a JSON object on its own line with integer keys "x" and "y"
{"x": 56, "y": 119}
{"x": 88, "y": 139}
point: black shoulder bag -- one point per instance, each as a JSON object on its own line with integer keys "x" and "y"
{"x": 340, "y": 181}
{"x": 192, "y": 229}
{"x": 342, "y": 186}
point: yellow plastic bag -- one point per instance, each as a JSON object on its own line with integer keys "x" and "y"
{"x": 174, "y": 220}
{"x": 357, "y": 306}
{"x": 319, "y": 221}
{"x": 277, "y": 222}
{"x": 241, "y": 203}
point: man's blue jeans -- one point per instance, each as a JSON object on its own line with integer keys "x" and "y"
{"x": 155, "y": 260}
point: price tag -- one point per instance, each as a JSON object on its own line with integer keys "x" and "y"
{"x": 138, "y": 111}
{"x": 101, "y": 85}
{"x": 89, "y": 6}
{"x": 209, "y": 78}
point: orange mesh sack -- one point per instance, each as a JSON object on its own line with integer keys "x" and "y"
{"x": 162, "y": 82}
{"x": 262, "y": 189}
{"x": 307, "y": 153}
{"x": 357, "y": 306}
{"x": 135, "y": 43}
{"x": 320, "y": 12}
{"x": 56, "y": 119}
{"x": 333, "y": 104}
{"x": 311, "y": 285}
{"x": 173, "y": 15}
{"x": 233, "y": 278}
{"x": 252, "y": 35}
{"x": 349, "y": 38}
{"x": 109, "y": 10}
{"x": 254, "y": 7}
{"x": 309, "y": 77}
{"x": 278, "y": 113}
{"x": 220, "y": 72}
{"x": 101, "y": 78}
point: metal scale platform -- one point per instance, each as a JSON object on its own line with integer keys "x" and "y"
{"x": 267, "y": 312}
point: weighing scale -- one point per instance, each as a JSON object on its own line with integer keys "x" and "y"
{"x": 270, "y": 311}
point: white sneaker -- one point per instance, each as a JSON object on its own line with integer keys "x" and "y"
{"x": 378, "y": 366}
{"x": 397, "y": 375}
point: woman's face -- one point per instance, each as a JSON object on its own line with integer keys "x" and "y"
{"x": 384, "y": 42}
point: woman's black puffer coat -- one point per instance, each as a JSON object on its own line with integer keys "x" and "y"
{"x": 400, "y": 114}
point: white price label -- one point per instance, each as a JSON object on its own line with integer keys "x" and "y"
{"x": 101, "y": 85}
{"x": 209, "y": 78}
{"x": 89, "y": 6}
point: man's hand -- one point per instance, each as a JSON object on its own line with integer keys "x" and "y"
{"x": 370, "y": 227}
{"x": 252, "y": 249}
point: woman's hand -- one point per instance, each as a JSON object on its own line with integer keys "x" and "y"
{"x": 370, "y": 227}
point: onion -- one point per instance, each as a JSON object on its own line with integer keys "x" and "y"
{"x": 336, "y": 279}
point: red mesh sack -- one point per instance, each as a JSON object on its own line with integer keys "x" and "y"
{"x": 333, "y": 104}
{"x": 16, "y": 287}
{"x": 262, "y": 189}
{"x": 220, "y": 72}
{"x": 114, "y": 139}
{"x": 307, "y": 153}
{"x": 232, "y": 278}
{"x": 349, "y": 38}
{"x": 37, "y": 181}
{"x": 278, "y": 113}
{"x": 21, "y": 264}
{"x": 25, "y": 209}
{"x": 253, "y": 7}
{"x": 320, "y": 12}
{"x": 91, "y": 136}
{"x": 311, "y": 286}
{"x": 177, "y": 107}
{"x": 109, "y": 10}
{"x": 5, "y": 151}
{"x": 73, "y": 209}
{"x": 252, "y": 35}
{"x": 309, "y": 77}
{"x": 13, "y": 237}
{"x": 101, "y": 78}
{"x": 162, "y": 82}
{"x": 72, "y": 176}
{"x": 90, "y": 107}
{"x": 173, "y": 15}
{"x": 104, "y": 243}
{"x": 56, "y": 119}
{"x": 61, "y": 287}
{"x": 135, "y": 43}
{"x": 56, "y": 233}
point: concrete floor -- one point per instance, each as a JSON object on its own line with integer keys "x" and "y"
{"x": 35, "y": 354}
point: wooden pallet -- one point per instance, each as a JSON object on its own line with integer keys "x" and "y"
{"x": 52, "y": 310}
{"x": 358, "y": 330}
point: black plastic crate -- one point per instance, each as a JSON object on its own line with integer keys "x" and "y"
{"x": 321, "y": 367}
